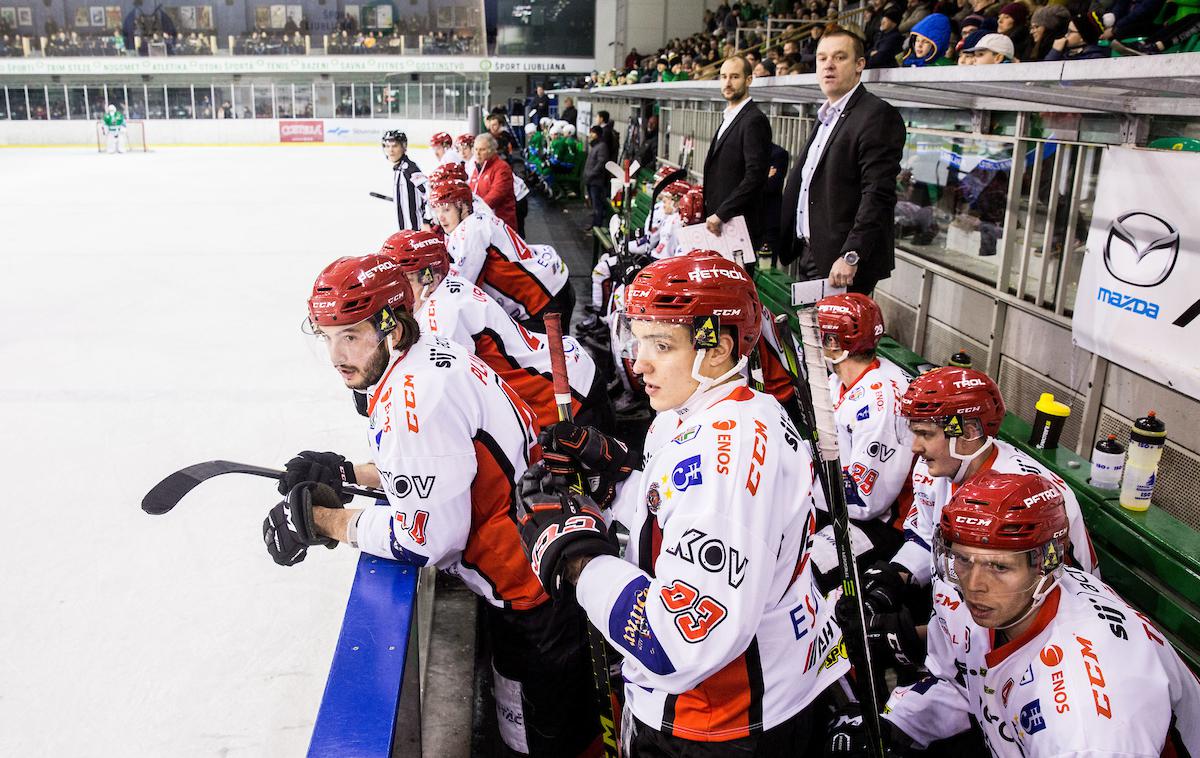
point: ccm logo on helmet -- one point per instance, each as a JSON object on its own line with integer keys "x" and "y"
{"x": 716, "y": 273}
{"x": 1040, "y": 497}
{"x": 727, "y": 312}
{"x": 972, "y": 520}
{"x": 966, "y": 383}
{"x": 320, "y": 304}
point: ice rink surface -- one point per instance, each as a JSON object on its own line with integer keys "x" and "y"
{"x": 154, "y": 304}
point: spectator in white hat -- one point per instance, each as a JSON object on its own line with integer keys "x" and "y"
{"x": 993, "y": 48}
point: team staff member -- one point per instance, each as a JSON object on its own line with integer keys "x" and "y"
{"x": 457, "y": 309}
{"x": 527, "y": 281}
{"x": 493, "y": 181}
{"x": 1047, "y": 660}
{"x": 448, "y": 440}
{"x": 715, "y": 592}
{"x": 954, "y": 415}
{"x": 840, "y": 199}
{"x": 408, "y": 183}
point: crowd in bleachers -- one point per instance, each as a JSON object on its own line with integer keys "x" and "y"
{"x": 269, "y": 43}
{"x": 10, "y": 46}
{"x": 917, "y": 33}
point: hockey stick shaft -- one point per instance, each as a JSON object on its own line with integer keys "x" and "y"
{"x": 165, "y": 495}
{"x": 382, "y": 196}
{"x": 814, "y": 400}
{"x": 606, "y": 697}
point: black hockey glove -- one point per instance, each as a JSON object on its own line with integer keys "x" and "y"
{"x": 569, "y": 449}
{"x": 288, "y": 529}
{"x": 556, "y": 525}
{"x": 884, "y": 587}
{"x": 891, "y": 635}
{"x": 847, "y": 736}
{"x": 329, "y": 469}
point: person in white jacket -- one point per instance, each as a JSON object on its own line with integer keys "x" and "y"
{"x": 727, "y": 641}
{"x": 1045, "y": 659}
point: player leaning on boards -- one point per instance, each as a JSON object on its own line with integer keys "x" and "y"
{"x": 408, "y": 183}
{"x": 874, "y": 441}
{"x": 457, "y": 309}
{"x": 448, "y": 440}
{"x": 954, "y": 415}
{"x": 527, "y": 281}
{"x": 727, "y": 641}
{"x": 1045, "y": 659}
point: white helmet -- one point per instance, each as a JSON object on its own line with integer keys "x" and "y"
{"x": 545, "y": 122}
{"x": 111, "y": 108}
{"x": 530, "y": 128}
{"x": 556, "y": 130}
{"x": 568, "y": 131}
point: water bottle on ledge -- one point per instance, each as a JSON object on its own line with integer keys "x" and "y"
{"x": 1048, "y": 422}
{"x": 1108, "y": 461}
{"x": 961, "y": 359}
{"x": 1146, "y": 440}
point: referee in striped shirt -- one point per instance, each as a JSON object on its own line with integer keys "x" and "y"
{"x": 407, "y": 180}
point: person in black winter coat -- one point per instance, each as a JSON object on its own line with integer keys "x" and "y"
{"x": 888, "y": 43}
{"x": 595, "y": 175}
{"x": 1080, "y": 41}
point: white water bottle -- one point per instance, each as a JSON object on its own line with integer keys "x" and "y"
{"x": 1108, "y": 463}
{"x": 1146, "y": 440}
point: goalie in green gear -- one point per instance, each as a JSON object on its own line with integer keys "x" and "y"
{"x": 114, "y": 129}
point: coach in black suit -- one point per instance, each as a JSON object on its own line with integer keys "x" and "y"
{"x": 735, "y": 170}
{"x": 844, "y": 182}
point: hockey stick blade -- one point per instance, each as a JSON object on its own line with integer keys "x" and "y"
{"x": 382, "y": 196}
{"x": 166, "y": 494}
{"x": 676, "y": 175}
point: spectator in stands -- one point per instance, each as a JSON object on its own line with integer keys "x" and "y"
{"x": 783, "y": 68}
{"x": 493, "y": 180}
{"x": 1013, "y": 22}
{"x": 1079, "y": 43}
{"x": 808, "y": 49}
{"x": 889, "y": 43}
{"x": 1134, "y": 18}
{"x": 985, "y": 8}
{"x": 735, "y": 169}
{"x": 764, "y": 69}
{"x": 1174, "y": 33}
{"x": 1048, "y": 24}
{"x": 631, "y": 60}
{"x": 569, "y": 113}
{"x": 595, "y": 175}
{"x": 993, "y": 48}
{"x": 968, "y": 43}
{"x": 840, "y": 199}
{"x": 917, "y": 10}
{"x": 928, "y": 42}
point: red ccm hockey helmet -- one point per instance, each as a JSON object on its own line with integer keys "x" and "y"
{"x": 353, "y": 289}
{"x": 465, "y": 143}
{"x": 701, "y": 290}
{"x": 450, "y": 191}
{"x": 850, "y": 322}
{"x": 1005, "y": 512}
{"x": 418, "y": 251}
{"x": 449, "y": 171}
{"x": 691, "y": 206}
{"x": 950, "y": 396}
{"x": 441, "y": 139}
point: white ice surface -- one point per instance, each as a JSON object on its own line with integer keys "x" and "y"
{"x": 151, "y": 307}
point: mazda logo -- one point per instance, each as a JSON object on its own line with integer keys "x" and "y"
{"x": 1141, "y": 248}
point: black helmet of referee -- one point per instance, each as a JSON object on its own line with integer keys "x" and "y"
{"x": 394, "y": 135}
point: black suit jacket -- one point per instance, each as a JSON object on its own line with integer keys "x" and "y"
{"x": 852, "y": 194}
{"x": 735, "y": 171}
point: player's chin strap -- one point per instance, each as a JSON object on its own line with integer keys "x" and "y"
{"x": 1044, "y": 587}
{"x": 835, "y": 361}
{"x": 708, "y": 382}
{"x": 967, "y": 458}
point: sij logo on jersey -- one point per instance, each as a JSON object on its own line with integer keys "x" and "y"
{"x": 1032, "y": 720}
{"x": 687, "y": 473}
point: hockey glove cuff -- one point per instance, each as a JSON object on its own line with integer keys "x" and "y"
{"x": 329, "y": 469}
{"x": 289, "y": 529}
{"x": 569, "y": 449}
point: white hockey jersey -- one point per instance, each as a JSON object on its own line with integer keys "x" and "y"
{"x": 1090, "y": 677}
{"x": 713, "y": 606}
{"x": 931, "y": 494}
{"x": 668, "y": 238}
{"x": 521, "y": 277}
{"x": 875, "y": 445}
{"x": 450, "y": 440}
{"x": 451, "y": 155}
{"x": 466, "y": 314}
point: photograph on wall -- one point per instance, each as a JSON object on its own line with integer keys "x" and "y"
{"x": 204, "y": 18}
{"x": 445, "y": 17}
{"x": 82, "y": 20}
{"x": 295, "y": 14}
{"x": 352, "y": 12}
{"x": 383, "y": 16}
{"x": 278, "y": 16}
{"x": 112, "y": 17}
{"x": 25, "y": 16}
{"x": 262, "y": 17}
{"x": 187, "y": 17}
{"x": 97, "y": 14}
{"x": 8, "y": 17}
{"x": 173, "y": 14}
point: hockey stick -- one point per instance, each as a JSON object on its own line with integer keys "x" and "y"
{"x": 822, "y": 438}
{"x": 166, "y": 494}
{"x": 606, "y": 697}
{"x": 382, "y": 197}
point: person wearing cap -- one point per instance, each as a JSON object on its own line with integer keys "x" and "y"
{"x": 1013, "y": 22}
{"x": 993, "y": 48}
{"x": 1048, "y": 24}
{"x": 1079, "y": 43}
{"x": 966, "y": 54}
{"x": 930, "y": 39}
{"x": 889, "y": 43}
